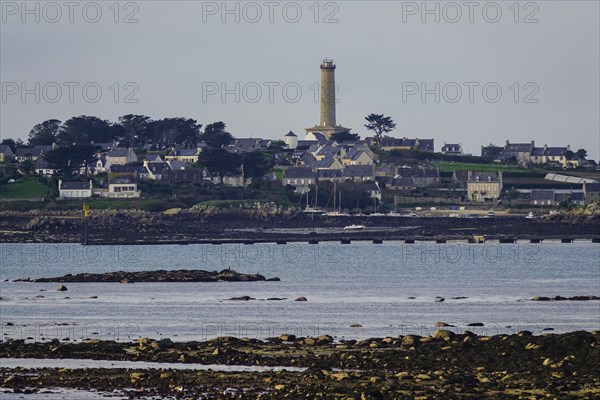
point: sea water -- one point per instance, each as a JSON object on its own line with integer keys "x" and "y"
{"x": 354, "y": 291}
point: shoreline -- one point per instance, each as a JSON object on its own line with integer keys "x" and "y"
{"x": 144, "y": 228}
{"x": 444, "y": 365}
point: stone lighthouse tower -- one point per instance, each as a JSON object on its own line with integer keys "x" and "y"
{"x": 327, "y": 93}
{"x": 327, "y": 125}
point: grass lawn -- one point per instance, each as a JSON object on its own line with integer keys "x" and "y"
{"x": 278, "y": 174}
{"x": 27, "y": 187}
{"x": 446, "y": 166}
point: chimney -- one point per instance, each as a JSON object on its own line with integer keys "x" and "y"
{"x": 507, "y": 142}
{"x": 568, "y": 147}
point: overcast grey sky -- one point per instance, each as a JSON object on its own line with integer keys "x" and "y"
{"x": 179, "y": 55}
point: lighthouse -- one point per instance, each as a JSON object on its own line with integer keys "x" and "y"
{"x": 327, "y": 124}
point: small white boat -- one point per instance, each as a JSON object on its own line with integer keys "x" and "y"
{"x": 531, "y": 215}
{"x": 491, "y": 214}
{"x": 337, "y": 214}
{"x": 310, "y": 210}
{"x": 393, "y": 214}
{"x": 354, "y": 227}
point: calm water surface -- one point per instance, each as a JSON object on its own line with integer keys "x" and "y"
{"x": 361, "y": 283}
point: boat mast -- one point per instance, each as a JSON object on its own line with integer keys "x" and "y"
{"x": 334, "y": 190}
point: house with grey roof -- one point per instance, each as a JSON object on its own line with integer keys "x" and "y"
{"x": 42, "y": 167}
{"x": 5, "y": 153}
{"x": 192, "y": 175}
{"x": 493, "y": 152}
{"x": 554, "y": 156}
{"x": 74, "y": 190}
{"x": 299, "y": 176}
{"x": 398, "y": 183}
{"x": 391, "y": 143}
{"x": 177, "y": 165}
{"x": 328, "y": 151}
{"x": 327, "y": 163}
{"x": 359, "y": 173}
{"x": 358, "y": 156}
{"x": 330, "y": 175}
{"x": 542, "y": 197}
{"x": 452, "y": 149}
{"x": 189, "y": 155}
{"x": 591, "y": 192}
{"x": 519, "y": 152}
{"x": 386, "y": 170}
{"x": 422, "y": 177}
{"x": 139, "y": 171}
{"x": 23, "y": 154}
{"x": 484, "y": 186}
{"x": 120, "y": 187}
{"x": 575, "y": 198}
{"x": 156, "y": 170}
{"x": 121, "y": 156}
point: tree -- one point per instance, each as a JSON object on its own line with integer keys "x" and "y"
{"x": 68, "y": 159}
{"x": 86, "y": 129}
{"x": 277, "y": 145}
{"x": 569, "y": 155}
{"x": 135, "y": 128}
{"x": 45, "y": 133}
{"x": 173, "y": 132}
{"x": 219, "y": 162}
{"x": 216, "y": 136}
{"x": 581, "y": 153}
{"x": 380, "y": 125}
{"x": 11, "y": 143}
{"x": 345, "y": 136}
{"x": 255, "y": 164}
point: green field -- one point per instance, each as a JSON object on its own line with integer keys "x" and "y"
{"x": 446, "y": 166}
{"x": 26, "y": 188}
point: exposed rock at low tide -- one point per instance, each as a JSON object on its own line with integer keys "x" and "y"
{"x": 242, "y": 298}
{"x": 226, "y": 275}
{"x": 445, "y": 366}
{"x": 560, "y": 298}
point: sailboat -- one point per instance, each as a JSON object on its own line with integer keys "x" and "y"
{"x": 313, "y": 210}
{"x": 394, "y": 213}
{"x": 338, "y": 212}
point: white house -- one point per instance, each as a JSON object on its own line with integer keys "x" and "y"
{"x": 122, "y": 187}
{"x": 74, "y": 190}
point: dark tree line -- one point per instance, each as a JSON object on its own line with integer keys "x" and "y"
{"x": 130, "y": 131}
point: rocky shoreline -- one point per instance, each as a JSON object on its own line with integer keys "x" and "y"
{"x": 184, "y": 275}
{"x": 445, "y": 365}
{"x": 142, "y": 227}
